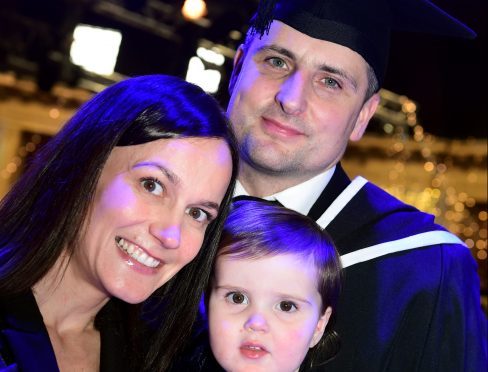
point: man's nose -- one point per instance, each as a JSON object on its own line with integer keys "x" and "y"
{"x": 291, "y": 96}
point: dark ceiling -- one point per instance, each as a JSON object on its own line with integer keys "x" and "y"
{"x": 447, "y": 78}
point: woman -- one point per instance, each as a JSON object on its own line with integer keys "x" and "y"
{"x": 109, "y": 212}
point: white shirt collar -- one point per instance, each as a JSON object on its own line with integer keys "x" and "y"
{"x": 300, "y": 197}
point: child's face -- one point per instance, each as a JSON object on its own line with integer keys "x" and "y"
{"x": 264, "y": 314}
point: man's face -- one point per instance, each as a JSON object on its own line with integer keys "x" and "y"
{"x": 295, "y": 103}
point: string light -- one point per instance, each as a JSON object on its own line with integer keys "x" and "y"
{"x": 453, "y": 208}
{"x": 14, "y": 166}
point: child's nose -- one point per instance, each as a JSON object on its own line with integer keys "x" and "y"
{"x": 257, "y": 323}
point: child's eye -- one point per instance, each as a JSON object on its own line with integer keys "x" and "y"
{"x": 287, "y": 306}
{"x": 237, "y": 298}
{"x": 152, "y": 185}
{"x": 198, "y": 214}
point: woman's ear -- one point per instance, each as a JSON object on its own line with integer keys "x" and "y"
{"x": 320, "y": 328}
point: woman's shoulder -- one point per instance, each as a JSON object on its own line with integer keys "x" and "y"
{"x": 24, "y": 341}
{"x": 7, "y": 363}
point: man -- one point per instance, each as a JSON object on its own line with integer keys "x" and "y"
{"x": 306, "y": 82}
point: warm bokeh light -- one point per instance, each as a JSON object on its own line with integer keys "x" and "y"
{"x": 54, "y": 113}
{"x": 194, "y": 9}
{"x": 429, "y": 166}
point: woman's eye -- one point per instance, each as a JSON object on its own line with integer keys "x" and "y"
{"x": 276, "y": 62}
{"x": 152, "y": 185}
{"x": 236, "y": 298}
{"x": 287, "y": 306}
{"x": 198, "y": 214}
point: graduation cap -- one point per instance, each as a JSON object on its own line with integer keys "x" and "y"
{"x": 361, "y": 25}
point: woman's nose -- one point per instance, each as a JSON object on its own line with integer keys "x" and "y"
{"x": 169, "y": 233}
{"x": 256, "y": 323}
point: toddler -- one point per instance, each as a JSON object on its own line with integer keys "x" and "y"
{"x": 273, "y": 291}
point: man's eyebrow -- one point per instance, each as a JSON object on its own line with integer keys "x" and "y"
{"x": 323, "y": 67}
{"x": 173, "y": 178}
{"x": 276, "y": 48}
{"x": 340, "y": 72}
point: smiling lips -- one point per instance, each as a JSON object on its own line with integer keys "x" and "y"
{"x": 253, "y": 351}
{"x": 137, "y": 253}
{"x": 275, "y": 127}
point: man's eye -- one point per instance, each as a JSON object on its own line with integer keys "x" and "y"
{"x": 287, "y": 306}
{"x": 236, "y": 298}
{"x": 332, "y": 83}
{"x": 276, "y": 62}
{"x": 152, "y": 185}
{"x": 198, "y": 214}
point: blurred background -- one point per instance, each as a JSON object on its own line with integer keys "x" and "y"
{"x": 427, "y": 144}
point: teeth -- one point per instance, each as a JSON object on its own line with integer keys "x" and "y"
{"x": 254, "y": 347}
{"x": 137, "y": 253}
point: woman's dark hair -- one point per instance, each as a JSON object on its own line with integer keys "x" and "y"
{"x": 257, "y": 228}
{"x": 44, "y": 211}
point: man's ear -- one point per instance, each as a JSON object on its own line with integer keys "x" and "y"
{"x": 365, "y": 115}
{"x": 320, "y": 327}
{"x": 237, "y": 65}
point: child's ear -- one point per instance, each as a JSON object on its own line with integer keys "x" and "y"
{"x": 320, "y": 328}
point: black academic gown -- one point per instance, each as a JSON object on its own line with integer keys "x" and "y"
{"x": 415, "y": 310}
{"x": 25, "y": 345}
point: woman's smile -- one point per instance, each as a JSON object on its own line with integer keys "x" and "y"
{"x": 137, "y": 253}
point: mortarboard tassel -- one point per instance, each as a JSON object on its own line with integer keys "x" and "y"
{"x": 261, "y": 22}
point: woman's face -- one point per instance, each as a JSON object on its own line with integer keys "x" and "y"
{"x": 152, "y": 205}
